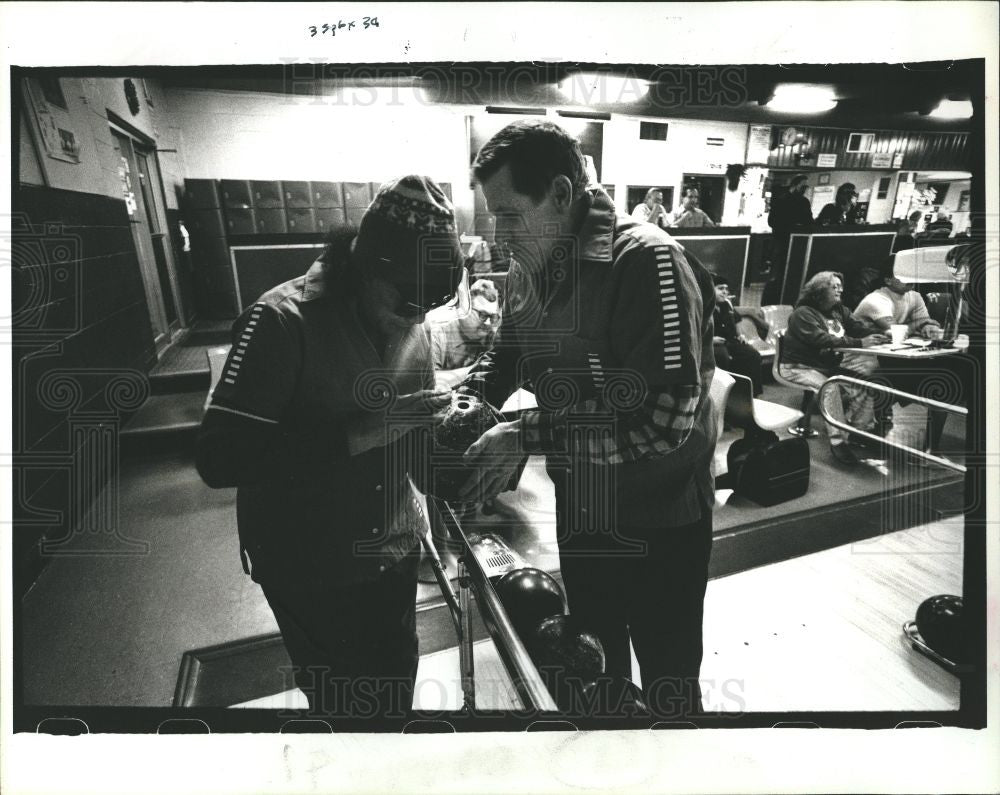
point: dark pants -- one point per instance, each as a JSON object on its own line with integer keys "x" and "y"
{"x": 354, "y": 649}
{"x": 738, "y": 357}
{"x": 656, "y": 598}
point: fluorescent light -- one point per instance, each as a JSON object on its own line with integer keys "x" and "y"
{"x": 597, "y": 88}
{"x": 950, "y": 109}
{"x": 803, "y": 99}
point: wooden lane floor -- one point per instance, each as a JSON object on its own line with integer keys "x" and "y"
{"x": 822, "y": 632}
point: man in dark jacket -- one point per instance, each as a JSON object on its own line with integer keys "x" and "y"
{"x": 610, "y": 322}
{"x": 313, "y": 420}
{"x": 819, "y": 325}
{"x": 788, "y": 211}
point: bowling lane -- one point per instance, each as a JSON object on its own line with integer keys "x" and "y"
{"x": 823, "y": 631}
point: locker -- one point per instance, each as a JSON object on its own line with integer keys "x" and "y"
{"x": 328, "y": 218}
{"x": 327, "y": 194}
{"x": 297, "y": 194}
{"x": 271, "y": 221}
{"x": 240, "y": 221}
{"x": 301, "y": 219}
{"x": 356, "y": 194}
{"x": 200, "y": 194}
{"x": 266, "y": 194}
{"x": 205, "y": 223}
{"x": 236, "y": 193}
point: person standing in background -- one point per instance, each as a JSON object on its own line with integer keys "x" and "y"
{"x": 459, "y": 340}
{"x": 789, "y": 210}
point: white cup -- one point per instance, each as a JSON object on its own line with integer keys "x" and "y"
{"x": 898, "y": 333}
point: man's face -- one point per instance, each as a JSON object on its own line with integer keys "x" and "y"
{"x": 897, "y": 286}
{"x": 481, "y": 320}
{"x": 691, "y": 200}
{"x": 656, "y": 198}
{"x": 799, "y": 187}
{"x": 531, "y": 229}
{"x": 721, "y": 293}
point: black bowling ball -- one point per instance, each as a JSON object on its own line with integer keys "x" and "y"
{"x": 457, "y": 426}
{"x": 529, "y": 595}
{"x": 558, "y": 642}
{"x": 941, "y": 624}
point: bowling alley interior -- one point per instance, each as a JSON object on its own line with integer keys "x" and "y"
{"x": 153, "y": 206}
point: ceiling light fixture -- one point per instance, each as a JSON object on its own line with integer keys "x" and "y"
{"x": 952, "y": 109}
{"x": 598, "y": 88}
{"x": 802, "y": 99}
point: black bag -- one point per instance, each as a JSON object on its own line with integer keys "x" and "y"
{"x": 769, "y": 470}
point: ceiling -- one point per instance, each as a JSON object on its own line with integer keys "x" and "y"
{"x": 876, "y": 96}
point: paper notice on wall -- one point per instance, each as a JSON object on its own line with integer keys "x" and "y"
{"x": 865, "y": 196}
{"x": 758, "y": 143}
{"x": 822, "y": 196}
{"x": 882, "y": 160}
{"x": 826, "y": 161}
{"x": 897, "y": 160}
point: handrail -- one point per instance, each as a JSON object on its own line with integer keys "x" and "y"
{"x": 931, "y": 404}
{"x": 522, "y": 671}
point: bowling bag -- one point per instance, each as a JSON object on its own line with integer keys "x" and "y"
{"x": 769, "y": 470}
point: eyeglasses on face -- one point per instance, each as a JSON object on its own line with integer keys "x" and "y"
{"x": 484, "y": 317}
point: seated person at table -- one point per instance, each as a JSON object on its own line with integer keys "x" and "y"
{"x": 732, "y": 351}
{"x": 897, "y": 303}
{"x": 817, "y": 327}
{"x": 689, "y": 214}
{"x": 843, "y": 210}
{"x": 456, "y": 342}
{"x": 940, "y": 227}
{"x": 652, "y": 210}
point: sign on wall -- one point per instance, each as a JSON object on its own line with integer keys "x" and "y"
{"x": 826, "y": 161}
{"x": 758, "y": 143}
{"x": 882, "y": 160}
{"x": 53, "y": 120}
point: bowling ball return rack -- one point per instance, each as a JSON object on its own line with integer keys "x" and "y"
{"x": 474, "y": 581}
{"x": 912, "y": 634}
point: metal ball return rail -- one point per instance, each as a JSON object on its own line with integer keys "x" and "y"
{"x": 472, "y": 579}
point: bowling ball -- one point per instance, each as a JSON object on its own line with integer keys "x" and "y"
{"x": 457, "y": 426}
{"x": 529, "y": 595}
{"x": 558, "y": 642}
{"x": 567, "y": 658}
{"x": 941, "y": 624}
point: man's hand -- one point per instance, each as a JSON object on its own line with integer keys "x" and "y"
{"x": 421, "y": 402}
{"x": 495, "y": 456}
{"x": 932, "y": 331}
{"x": 873, "y": 339}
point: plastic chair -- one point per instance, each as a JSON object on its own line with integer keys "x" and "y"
{"x": 755, "y": 416}
{"x": 803, "y": 427}
{"x": 722, "y": 385}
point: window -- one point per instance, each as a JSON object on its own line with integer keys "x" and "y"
{"x": 883, "y": 187}
{"x": 860, "y": 142}
{"x": 652, "y": 131}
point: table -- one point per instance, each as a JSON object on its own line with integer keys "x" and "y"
{"x": 912, "y": 348}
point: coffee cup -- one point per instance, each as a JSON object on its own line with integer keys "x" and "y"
{"x": 898, "y": 334}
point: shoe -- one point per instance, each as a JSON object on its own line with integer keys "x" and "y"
{"x": 843, "y": 454}
{"x": 802, "y": 432}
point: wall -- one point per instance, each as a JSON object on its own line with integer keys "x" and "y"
{"x": 238, "y": 135}
{"x": 81, "y": 320}
{"x": 628, "y": 160}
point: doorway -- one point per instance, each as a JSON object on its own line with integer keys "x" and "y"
{"x": 711, "y": 193}
{"x": 142, "y": 187}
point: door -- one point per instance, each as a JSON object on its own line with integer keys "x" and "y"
{"x": 711, "y": 193}
{"x": 140, "y": 187}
